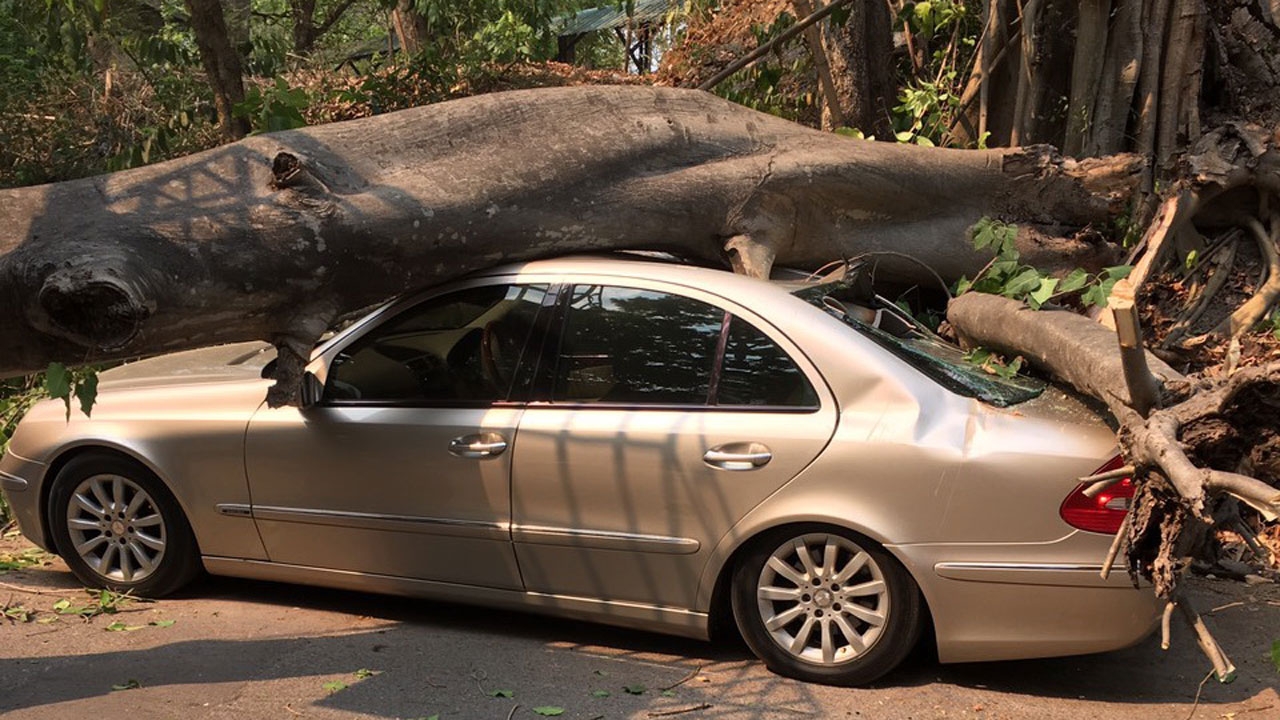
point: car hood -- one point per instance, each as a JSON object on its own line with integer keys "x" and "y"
{"x": 220, "y": 364}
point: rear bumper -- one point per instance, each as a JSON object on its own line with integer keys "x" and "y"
{"x": 999, "y": 610}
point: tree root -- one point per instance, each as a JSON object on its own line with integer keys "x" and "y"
{"x": 1256, "y": 308}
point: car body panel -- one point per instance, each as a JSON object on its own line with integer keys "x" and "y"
{"x": 609, "y": 513}
{"x": 376, "y": 489}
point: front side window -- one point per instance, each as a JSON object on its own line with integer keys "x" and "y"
{"x": 459, "y": 348}
{"x": 647, "y": 347}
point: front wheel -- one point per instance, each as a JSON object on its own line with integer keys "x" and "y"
{"x": 118, "y": 527}
{"x": 825, "y": 605}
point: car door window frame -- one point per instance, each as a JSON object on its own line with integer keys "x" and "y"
{"x": 542, "y": 391}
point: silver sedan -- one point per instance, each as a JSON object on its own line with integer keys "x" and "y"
{"x": 625, "y": 441}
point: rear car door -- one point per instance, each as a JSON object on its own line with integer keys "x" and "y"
{"x": 663, "y": 415}
{"x": 403, "y": 468}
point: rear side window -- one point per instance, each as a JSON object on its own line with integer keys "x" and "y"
{"x": 755, "y": 371}
{"x": 645, "y": 347}
{"x": 623, "y": 345}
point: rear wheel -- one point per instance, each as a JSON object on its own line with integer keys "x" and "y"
{"x": 825, "y": 605}
{"x": 118, "y": 527}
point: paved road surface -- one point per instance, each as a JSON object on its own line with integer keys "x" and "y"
{"x": 240, "y": 649}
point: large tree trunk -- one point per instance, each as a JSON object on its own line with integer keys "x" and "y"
{"x": 860, "y": 57}
{"x": 411, "y": 28}
{"x": 272, "y": 236}
{"x": 221, "y": 64}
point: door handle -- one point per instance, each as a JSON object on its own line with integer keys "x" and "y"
{"x": 738, "y": 456}
{"x": 478, "y": 446}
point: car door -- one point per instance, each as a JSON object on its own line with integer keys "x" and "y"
{"x": 664, "y": 414}
{"x": 403, "y": 468}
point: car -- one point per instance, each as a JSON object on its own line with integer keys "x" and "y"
{"x": 628, "y": 441}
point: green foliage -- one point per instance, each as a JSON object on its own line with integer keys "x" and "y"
{"x": 776, "y": 84}
{"x": 61, "y": 383}
{"x": 30, "y": 557}
{"x": 1275, "y": 655}
{"x": 274, "y": 107}
{"x": 1006, "y": 276}
{"x": 129, "y": 684}
{"x": 1272, "y": 324}
{"x": 944, "y": 36}
{"x": 993, "y": 364}
{"x": 548, "y": 711}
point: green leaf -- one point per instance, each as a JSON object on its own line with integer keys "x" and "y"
{"x": 363, "y": 673}
{"x": 57, "y": 381}
{"x": 1094, "y": 296}
{"x": 1024, "y": 282}
{"x": 87, "y": 392}
{"x": 635, "y": 689}
{"x": 668, "y": 693}
{"x": 163, "y": 623}
{"x": 548, "y": 711}
{"x": 334, "y": 686}
{"x": 1275, "y": 654}
{"x": 129, "y": 684}
{"x": 502, "y": 693}
{"x": 1074, "y": 280}
{"x": 118, "y": 626}
{"x": 600, "y": 693}
{"x": 963, "y": 285}
{"x": 1116, "y": 272}
{"x": 1038, "y": 297}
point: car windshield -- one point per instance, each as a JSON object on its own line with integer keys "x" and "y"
{"x": 894, "y": 330}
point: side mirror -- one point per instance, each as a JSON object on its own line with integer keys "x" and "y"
{"x": 311, "y": 392}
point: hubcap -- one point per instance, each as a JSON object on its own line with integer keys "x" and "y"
{"x": 822, "y": 599}
{"x": 116, "y": 528}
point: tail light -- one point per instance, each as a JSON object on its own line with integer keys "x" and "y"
{"x": 1104, "y": 512}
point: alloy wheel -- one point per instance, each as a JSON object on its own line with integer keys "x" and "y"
{"x": 823, "y": 599}
{"x": 116, "y": 528}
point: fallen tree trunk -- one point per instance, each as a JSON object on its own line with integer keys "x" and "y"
{"x": 273, "y": 236}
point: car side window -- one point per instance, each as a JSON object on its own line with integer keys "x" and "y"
{"x": 462, "y": 347}
{"x": 645, "y": 347}
{"x": 755, "y": 371}
{"x": 631, "y": 346}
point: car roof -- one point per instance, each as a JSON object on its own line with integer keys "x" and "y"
{"x": 662, "y": 267}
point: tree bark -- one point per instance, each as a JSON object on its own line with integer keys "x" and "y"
{"x": 861, "y": 57}
{"x": 270, "y": 237}
{"x": 410, "y": 26}
{"x": 221, "y": 64}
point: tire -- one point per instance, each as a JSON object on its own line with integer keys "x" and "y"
{"x": 118, "y": 527}
{"x": 825, "y": 605}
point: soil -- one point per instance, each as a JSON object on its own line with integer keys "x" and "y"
{"x": 238, "y": 649}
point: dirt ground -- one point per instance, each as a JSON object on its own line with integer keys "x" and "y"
{"x": 239, "y": 649}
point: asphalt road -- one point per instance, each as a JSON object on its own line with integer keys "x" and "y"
{"x": 239, "y": 649}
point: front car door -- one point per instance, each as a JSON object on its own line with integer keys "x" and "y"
{"x": 664, "y": 414}
{"x": 403, "y": 468}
